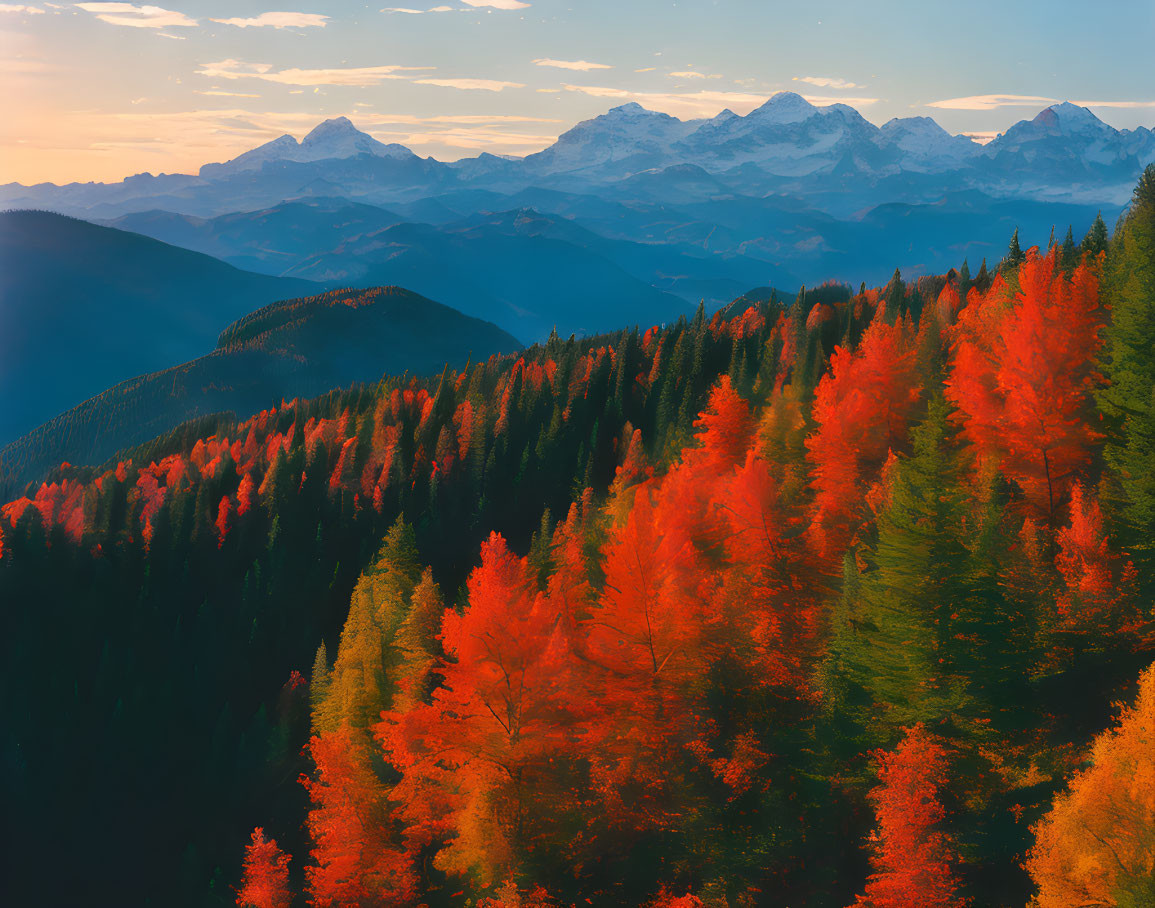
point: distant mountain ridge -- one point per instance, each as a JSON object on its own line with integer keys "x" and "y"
{"x": 786, "y": 144}
{"x": 83, "y": 307}
{"x": 301, "y": 347}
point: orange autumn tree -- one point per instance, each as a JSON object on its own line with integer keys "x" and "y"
{"x": 769, "y": 610}
{"x": 356, "y": 861}
{"x": 1022, "y": 375}
{"x": 862, "y": 407}
{"x": 912, "y": 855}
{"x": 265, "y": 883}
{"x": 475, "y": 762}
{"x": 1097, "y": 844}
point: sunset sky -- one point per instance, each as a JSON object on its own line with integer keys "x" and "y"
{"x": 101, "y": 90}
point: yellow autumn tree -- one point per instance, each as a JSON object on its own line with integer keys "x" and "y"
{"x": 1096, "y": 847}
{"x": 358, "y": 687}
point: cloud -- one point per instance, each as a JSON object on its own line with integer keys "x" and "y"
{"x": 581, "y": 65}
{"x": 233, "y": 69}
{"x": 418, "y": 12}
{"x": 825, "y": 82}
{"x": 133, "y": 16}
{"x": 982, "y": 138}
{"x": 691, "y": 74}
{"x": 227, "y": 94}
{"x": 990, "y": 102}
{"x": 278, "y": 20}
{"x": 17, "y": 8}
{"x": 497, "y": 4}
{"x": 471, "y": 84}
{"x": 701, "y": 103}
{"x": 1120, "y": 104}
{"x": 685, "y": 104}
{"x": 357, "y": 76}
{"x": 646, "y": 69}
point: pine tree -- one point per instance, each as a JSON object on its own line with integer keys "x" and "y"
{"x": 913, "y": 585}
{"x": 1068, "y": 252}
{"x": 1096, "y": 239}
{"x": 1128, "y": 363}
{"x": 1015, "y": 255}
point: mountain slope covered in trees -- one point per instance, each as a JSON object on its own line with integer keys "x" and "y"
{"x": 821, "y": 604}
{"x": 296, "y": 348}
{"x": 83, "y": 307}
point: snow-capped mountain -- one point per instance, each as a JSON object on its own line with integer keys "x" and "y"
{"x": 333, "y": 139}
{"x": 786, "y": 136}
{"x": 626, "y": 139}
{"x": 920, "y": 144}
{"x": 1067, "y": 135}
{"x": 830, "y": 157}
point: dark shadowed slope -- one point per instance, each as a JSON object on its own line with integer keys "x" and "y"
{"x": 296, "y": 348}
{"x": 83, "y": 307}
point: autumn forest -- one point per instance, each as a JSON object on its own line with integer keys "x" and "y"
{"x": 837, "y": 600}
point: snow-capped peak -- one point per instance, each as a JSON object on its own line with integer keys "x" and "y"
{"x": 339, "y": 138}
{"x": 784, "y": 107}
{"x": 1069, "y": 118}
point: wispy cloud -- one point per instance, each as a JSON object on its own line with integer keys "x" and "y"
{"x": 355, "y": 76}
{"x": 1126, "y": 105}
{"x": 497, "y": 4}
{"x": 990, "y": 102}
{"x": 133, "y": 16}
{"x": 993, "y": 102}
{"x": 471, "y": 84}
{"x": 826, "y": 82}
{"x": 417, "y": 12}
{"x": 581, "y": 65}
{"x": 702, "y": 103}
{"x": 983, "y": 138}
{"x": 278, "y": 20}
{"x": 18, "y": 8}
{"x": 226, "y": 94}
{"x": 678, "y": 104}
{"x": 693, "y": 74}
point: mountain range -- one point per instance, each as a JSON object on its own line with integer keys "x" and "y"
{"x": 787, "y": 145}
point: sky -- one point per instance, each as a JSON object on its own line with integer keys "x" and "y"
{"x": 103, "y": 90}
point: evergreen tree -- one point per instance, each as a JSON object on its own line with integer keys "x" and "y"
{"x": 1096, "y": 239}
{"x": 1068, "y": 253}
{"x": 1015, "y": 255}
{"x": 1128, "y": 362}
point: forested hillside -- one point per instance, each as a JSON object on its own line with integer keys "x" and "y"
{"x": 83, "y": 307}
{"x": 293, "y": 348}
{"x": 827, "y": 603}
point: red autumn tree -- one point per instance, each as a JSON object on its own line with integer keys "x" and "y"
{"x": 912, "y": 855}
{"x": 769, "y": 611}
{"x": 862, "y": 406}
{"x": 476, "y": 761}
{"x": 224, "y": 520}
{"x": 355, "y": 860}
{"x": 265, "y": 883}
{"x": 1022, "y": 375}
{"x": 1097, "y": 602}
{"x": 724, "y": 429}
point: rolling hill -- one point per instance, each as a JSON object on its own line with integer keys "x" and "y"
{"x": 295, "y": 348}
{"x": 83, "y": 307}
